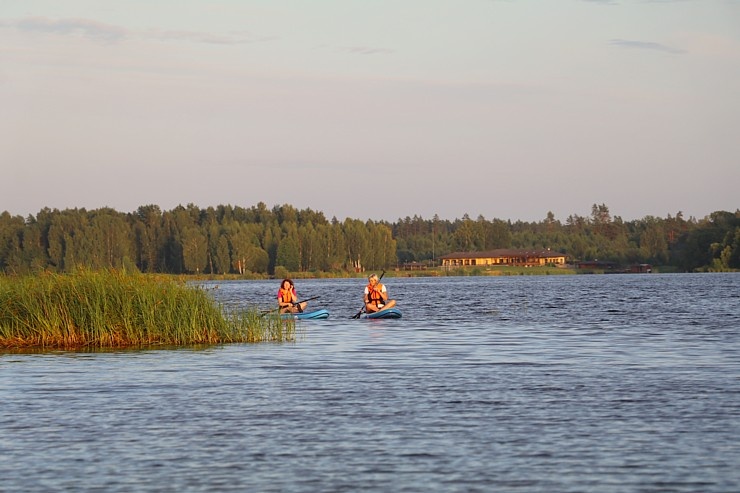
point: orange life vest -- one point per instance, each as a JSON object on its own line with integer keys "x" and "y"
{"x": 373, "y": 296}
{"x": 285, "y": 295}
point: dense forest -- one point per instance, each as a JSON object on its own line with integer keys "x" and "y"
{"x": 261, "y": 241}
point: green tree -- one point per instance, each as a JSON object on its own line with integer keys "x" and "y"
{"x": 11, "y": 237}
{"x": 336, "y": 246}
{"x": 148, "y": 238}
{"x": 288, "y": 255}
{"x": 381, "y": 251}
{"x": 194, "y": 249}
{"x": 496, "y": 234}
{"x": 357, "y": 243}
{"x": 653, "y": 241}
{"x": 222, "y": 255}
{"x": 113, "y": 239}
{"x": 34, "y": 251}
{"x": 466, "y": 235}
{"x": 171, "y": 251}
{"x": 244, "y": 247}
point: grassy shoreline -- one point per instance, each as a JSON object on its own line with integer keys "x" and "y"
{"x": 114, "y": 309}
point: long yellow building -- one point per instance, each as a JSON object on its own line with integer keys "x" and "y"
{"x": 504, "y": 256}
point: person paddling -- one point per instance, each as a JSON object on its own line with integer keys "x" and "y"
{"x": 287, "y": 298}
{"x": 376, "y": 295}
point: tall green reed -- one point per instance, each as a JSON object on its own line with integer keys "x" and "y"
{"x": 118, "y": 309}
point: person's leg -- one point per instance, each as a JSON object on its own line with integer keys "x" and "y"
{"x": 389, "y": 304}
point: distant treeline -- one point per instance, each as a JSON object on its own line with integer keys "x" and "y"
{"x": 257, "y": 240}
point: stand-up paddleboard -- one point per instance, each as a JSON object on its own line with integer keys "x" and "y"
{"x": 312, "y": 315}
{"x": 387, "y": 313}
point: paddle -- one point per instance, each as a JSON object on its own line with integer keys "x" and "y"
{"x": 294, "y": 303}
{"x": 357, "y": 315}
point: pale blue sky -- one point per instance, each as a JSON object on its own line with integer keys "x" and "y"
{"x": 373, "y": 109}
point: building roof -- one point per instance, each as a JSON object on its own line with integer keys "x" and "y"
{"x": 504, "y": 252}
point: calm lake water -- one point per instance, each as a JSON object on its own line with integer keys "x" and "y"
{"x": 603, "y": 383}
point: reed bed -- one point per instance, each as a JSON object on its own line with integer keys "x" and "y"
{"x": 103, "y": 309}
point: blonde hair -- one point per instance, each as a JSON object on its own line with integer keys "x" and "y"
{"x": 372, "y": 276}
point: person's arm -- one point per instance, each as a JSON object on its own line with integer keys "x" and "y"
{"x": 384, "y": 293}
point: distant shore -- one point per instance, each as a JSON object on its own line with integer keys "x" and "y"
{"x": 429, "y": 272}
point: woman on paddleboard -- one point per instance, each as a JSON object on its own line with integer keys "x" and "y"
{"x": 376, "y": 296}
{"x": 287, "y": 298}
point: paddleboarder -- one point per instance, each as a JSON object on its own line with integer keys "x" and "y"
{"x": 376, "y": 295}
{"x": 288, "y": 299}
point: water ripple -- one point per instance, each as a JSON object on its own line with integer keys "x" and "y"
{"x": 574, "y": 383}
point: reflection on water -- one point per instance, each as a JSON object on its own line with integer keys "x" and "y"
{"x": 562, "y": 383}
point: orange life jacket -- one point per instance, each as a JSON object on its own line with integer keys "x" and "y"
{"x": 285, "y": 295}
{"x": 373, "y": 296}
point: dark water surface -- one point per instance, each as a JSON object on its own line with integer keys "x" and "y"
{"x": 610, "y": 383}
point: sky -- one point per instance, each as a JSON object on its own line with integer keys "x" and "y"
{"x": 372, "y": 109}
